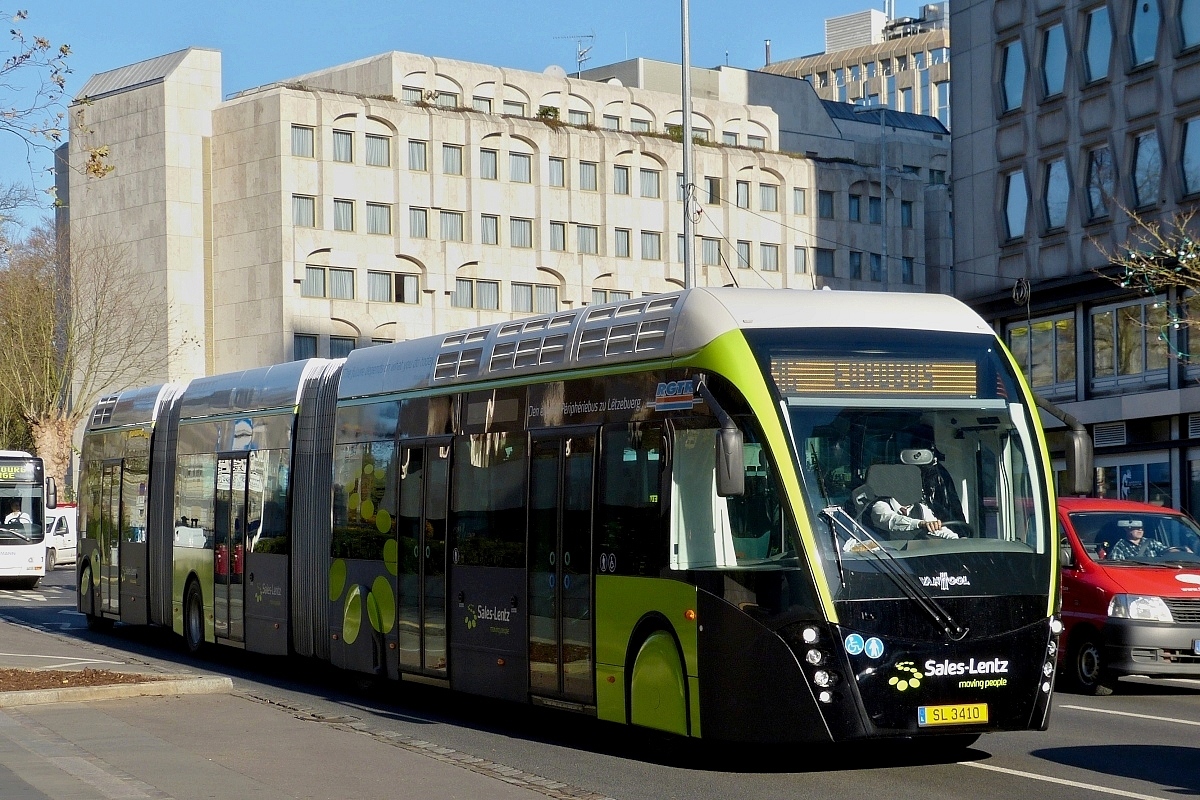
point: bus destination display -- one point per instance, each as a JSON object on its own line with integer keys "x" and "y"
{"x": 821, "y": 376}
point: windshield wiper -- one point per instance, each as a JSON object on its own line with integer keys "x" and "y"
{"x": 838, "y": 518}
{"x": 20, "y": 534}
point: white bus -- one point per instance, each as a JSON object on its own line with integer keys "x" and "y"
{"x": 25, "y": 494}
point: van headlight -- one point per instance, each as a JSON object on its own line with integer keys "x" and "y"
{"x": 1139, "y": 606}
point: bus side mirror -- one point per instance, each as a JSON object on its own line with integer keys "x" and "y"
{"x": 731, "y": 464}
{"x": 51, "y": 494}
{"x": 1080, "y": 477}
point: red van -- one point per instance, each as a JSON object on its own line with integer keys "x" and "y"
{"x": 1130, "y": 593}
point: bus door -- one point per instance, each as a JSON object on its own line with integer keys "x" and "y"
{"x": 424, "y": 489}
{"x": 134, "y": 555}
{"x": 561, "y": 663}
{"x": 109, "y": 571}
{"x": 229, "y": 539}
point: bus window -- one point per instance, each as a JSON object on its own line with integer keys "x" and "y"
{"x": 630, "y": 535}
{"x": 487, "y": 514}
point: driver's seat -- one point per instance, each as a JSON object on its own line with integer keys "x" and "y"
{"x": 899, "y": 481}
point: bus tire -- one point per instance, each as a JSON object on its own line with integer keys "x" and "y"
{"x": 87, "y": 594}
{"x": 658, "y": 686}
{"x": 51, "y": 560}
{"x": 193, "y": 618}
{"x": 1086, "y": 671}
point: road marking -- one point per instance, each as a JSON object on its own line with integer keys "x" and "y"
{"x": 1062, "y": 781}
{"x": 71, "y": 663}
{"x": 1131, "y": 714}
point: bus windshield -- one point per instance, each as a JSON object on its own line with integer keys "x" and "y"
{"x": 920, "y": 447}
{"x": 21, "y": 520}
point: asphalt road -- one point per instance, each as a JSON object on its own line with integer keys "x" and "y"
{"x": 1138, "y": 743}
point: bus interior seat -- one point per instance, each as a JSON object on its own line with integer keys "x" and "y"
{"x": 900, "y": 481}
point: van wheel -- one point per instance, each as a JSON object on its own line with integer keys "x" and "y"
{"x": 193, "y": 619}
{"x": 51, "y": 559}
{"x": 1088, "y": 674}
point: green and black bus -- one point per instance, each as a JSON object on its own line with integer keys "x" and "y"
{"x": 666, "y": 512}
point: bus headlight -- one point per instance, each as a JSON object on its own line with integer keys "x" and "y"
{"x": 810, "y": 635}
{"x": 824, "y": 678}
{"x": 814, "y": 657}
{"x": 1139, "y": 606}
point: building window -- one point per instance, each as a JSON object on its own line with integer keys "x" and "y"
{"x": 1143, "y": 32}
{"x": 609, "y": 296}
{"x": 520, "y": 232}
{"x": 856, "y": 265}
{"x": 389, "y": 287}
{"x": 1099, "y": 44}
{"x": 679, "y": 243}
{"x": 799, "y": 201}
{"x": 1057, "y": 193}
{"x": 756, "y": 142}
{"x": 452, "y": 226}
{"x": 411, "y": 94}
{"x": 1147, "y": 169}
{"x": 417, "y": 161}
{"x": 418, "y": 223}
{"x": 743, "y": 194}
{"x": 1126, "y": 342}
{"x": 579, "y": 118}
{"x": 587, "y": 176}
{"x": 825, "y": 204}
{"x": 875, "y": 210}
{"x": 621, "y": 237}
{"x": 588, "y": 239}
{"x": 489, "y": 229}
{"x": 743, "y": 254}
{"x": 855, "y": 207}
{"x": 446, "y": 100}
{"x": 710, "y": 252}
{"x": 302, "y": 141}
{"x": 520, "y": 168}
{"x": 558, "y": 169}
{"x": 558, "y": 236}
{"x": 768, "y": 197}
{"x": 1191, "y": 156}
{"x": 452, "y": 159}
{"x": 340, "y": 346}
{"x": 1045, "y": 351}
{"x": 343, "y": 215}
{"x": 1189, "y": 23}
{"x": 313, "y": 284}
{"x": 341, "y": 284}
{"x": 471, "y": 293}
{"x": 1016, "y": 203}
{"x": 639, "y": 125}
{"x": 487, "y": 165}
{"x": 907, "y": 270}
{"x": 611, "y": 123}
{"x": 877, "y": 272}
{"x": 379, "y": 218}
{"x": 727, "y": 137}
{"x": 712, "y": 189}
{"x": 620, "y": 180}
{"x": 906, "y": 214}
{"x": 937, "y": 177}
{"x": 1100, "y": 182}
{"x": 304, "y": 345}
{"x": 378, "y": 151}
{"x": 823, "y": 264}
{"x": 536, "y": 298}
{"x": 1012, "y": 85}
{"x": 651, "y": 179}
{"x": 941, "y": 91}
{"x": 482, "y": 104}
{"x": 304, "y": 211}
{"x": 799, "y": 260}
{"x": 679, "y": 186}
{"x": 651, "y": 246}
{"x": 343, "y": 146}
{"x": 1054, "y": 60}
{"x": 514, "y": 108}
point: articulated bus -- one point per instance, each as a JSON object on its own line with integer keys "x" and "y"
{"x": 664, "y": 512}
{"x": 25, "y": 494}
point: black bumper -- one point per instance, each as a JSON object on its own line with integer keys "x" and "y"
{"x": 1158, "y": 649}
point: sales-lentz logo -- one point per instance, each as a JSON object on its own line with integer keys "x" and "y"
{"x": 944, "y": 581}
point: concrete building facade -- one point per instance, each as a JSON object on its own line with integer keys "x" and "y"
{"x": 402, "y": 195}
{"x": 1071, "y": 117}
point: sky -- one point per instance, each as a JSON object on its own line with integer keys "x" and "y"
{"x": 263, "y": 41}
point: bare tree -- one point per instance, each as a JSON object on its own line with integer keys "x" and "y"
{"x": 1159, "y": 255}
{"x": 75, "y": 327}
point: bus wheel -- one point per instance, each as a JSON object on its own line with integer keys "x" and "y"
{"x": 193, "y": 619}
{"x": 51, "y": 560}
{"x": 1087, "y": 672}
{"x": 87, "y": 594}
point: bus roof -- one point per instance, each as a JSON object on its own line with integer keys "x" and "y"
{"x": 132, "y": 407}
{"x": 658, "y": 326}
{"x": 277, "y": 387}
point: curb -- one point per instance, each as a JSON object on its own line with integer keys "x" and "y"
{"x": 155, "y": 688}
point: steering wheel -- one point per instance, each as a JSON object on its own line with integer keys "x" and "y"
{"x": 963, "y": 529}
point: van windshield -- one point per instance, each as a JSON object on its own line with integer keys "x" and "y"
{"x": 1137, "y": 539}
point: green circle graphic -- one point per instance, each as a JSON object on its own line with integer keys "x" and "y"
{"x": 352, "y": 616}
{"x": 384, "y": 603}
{"x": 337, "y": 579}
{"x": 391, "y": 555}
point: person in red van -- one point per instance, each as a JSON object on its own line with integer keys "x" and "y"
{"x": 1135, "y": 545}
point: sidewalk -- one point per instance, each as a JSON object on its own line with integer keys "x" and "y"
{"x": 201, "y": 738}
